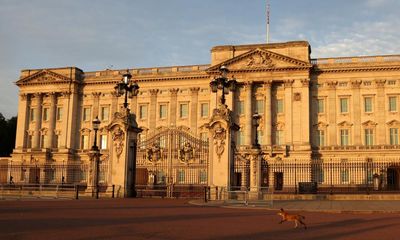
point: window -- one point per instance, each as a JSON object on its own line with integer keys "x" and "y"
{"x": 160, "y": 177}
{"x": 45, "y": 114}
{"x": 320, "y": 175}
{"x": 279, "y": 106}
{"x": 163, "y": 111}
{"x": 394, "y": 136}
{"x": 32, "y": 114}
{"x": 183, "y": 110}
{"x": 204, "y": 110}
{"x": 103, "y": 141}
{"x": 344, "y": 137}
{"x": 240, "y": 138}
{"x": 203, "y": 176}
{"x": 392, "y": 104}
{"x": 260, "y": 106}
{"x": 279, "y": 137}
{"x": 86, "y": 114}
{"x": 344, "y": 105}
{"x": 104, "y": 113}
{"x": 320, "y": 138}
{"x": 143, "y": 111}
{"x": 320, "y": 105}
{"x": 344, "y": 175}
{"x": 204, "y": 136}
{"x": 85, "y": 142}
{"x": 181, "y": 176}
{"x": 369, "y": 137}
{"x": 368, "y": 104}
{"x": 59, "y": 113}
{"x": 240, "y": 108}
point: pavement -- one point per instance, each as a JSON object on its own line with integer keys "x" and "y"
{"x": 328, "y": 206}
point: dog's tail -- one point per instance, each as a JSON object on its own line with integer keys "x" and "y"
{"x": 302, "y": 217}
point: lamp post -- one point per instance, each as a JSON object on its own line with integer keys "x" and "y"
{"x": 96, "y": 154}
{"x": 223, "y": 83}
{"x": 126, "y": 87}
{"x": 256, "y": 123}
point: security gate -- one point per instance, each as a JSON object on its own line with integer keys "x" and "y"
{"x": 171, "y": 163}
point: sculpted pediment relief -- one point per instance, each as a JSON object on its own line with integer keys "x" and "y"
{"x": 260, "y": 59}
{"x": 345, "y": 124}
{"x": 369, "y": 123}
{"x": 393, "y": 123}
{"x": 43, "y": 77}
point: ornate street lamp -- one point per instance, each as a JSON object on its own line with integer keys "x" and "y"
{"x": 96, "y": 154}
{"x": 95, "y": 125}
{"x": 256, "y": 123}
{"x": 223, "y": 83}
{"x": 127, "y": 87}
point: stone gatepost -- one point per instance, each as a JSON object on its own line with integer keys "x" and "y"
{"x": 255, "y": 173}
{"x": 124, "y": 130}
{"x": 221, "y": 132}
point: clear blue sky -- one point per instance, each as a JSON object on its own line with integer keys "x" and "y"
{"x": 94, "y": 35}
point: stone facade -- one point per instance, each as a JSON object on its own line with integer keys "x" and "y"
{"x": 311, "y": 108}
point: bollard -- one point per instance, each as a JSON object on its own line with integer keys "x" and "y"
{"x": 113, "y": 191}
{"x": 76, "y": 192}
{"x": 205, "y": 193}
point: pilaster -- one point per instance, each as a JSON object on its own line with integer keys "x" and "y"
{"x": 357, "y": 111}
{"x": 153, "y": 108}
{"x": 380, "y": 115}
{"x": 52, "y": 119}
{"x": 288, "y": 112}
{"x": 267, "y": 113}
{"x": 332, "y": 108}
{"x": 22, "y": 121}
{"x": 173, "y": 106}
{"x": 38, "y": 119}
{"x": 194, "y": 109}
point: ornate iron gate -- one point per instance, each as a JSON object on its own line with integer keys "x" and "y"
{"x": 171, "y": 163}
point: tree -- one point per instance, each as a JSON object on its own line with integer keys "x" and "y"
{"x": 8, "y": 130}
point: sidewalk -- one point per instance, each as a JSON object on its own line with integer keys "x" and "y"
{"x": 351, "y": 206}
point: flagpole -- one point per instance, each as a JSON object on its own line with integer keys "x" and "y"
{"x": 268, "y": 9}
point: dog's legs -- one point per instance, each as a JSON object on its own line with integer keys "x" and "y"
{"x": 305, "y": 226}
{"x": 295, "y": 223}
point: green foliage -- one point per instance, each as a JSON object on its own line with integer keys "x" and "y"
{"x": 8, "y": 130}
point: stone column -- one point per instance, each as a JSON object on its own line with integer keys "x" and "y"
{"x": 22, "y": 121}
{"x": 173, "y": 106}
{"x": 267, "y": 113}
{"x": 52, "y": 119}
{"x": 153, "y": 108}
{"x": 332, "y": 133}
{"x": 38, "y": 120}
{"x": 64, "y": 97}
{"x": 380, "y": 115}
{"x": 288, "y": 112}
{"x": 194, "y": 109}
{"x": 248, "y": 111}
{"x": 357, "y": 111}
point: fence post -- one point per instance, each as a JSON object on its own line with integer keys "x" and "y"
{"x": 97, "y": 192}
{"x": 76, "y": 192}
{"x": 113, "y": 191}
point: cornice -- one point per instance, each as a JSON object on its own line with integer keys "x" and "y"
{"x": 355, "y": 69}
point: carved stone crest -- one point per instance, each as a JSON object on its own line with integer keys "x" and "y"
{"x": 186, "y": 153}
{"x": 118, "y": 137}
{"x": 260, "y": 59}
{"x": 154, "y": 153}
{"x": 219, "y": 135}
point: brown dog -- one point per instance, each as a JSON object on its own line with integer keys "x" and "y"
{"x": 291, "y": 217}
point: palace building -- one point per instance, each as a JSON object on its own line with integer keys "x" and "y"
{"x": 333, "y": 122}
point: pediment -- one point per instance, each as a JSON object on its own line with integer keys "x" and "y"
{"x": 259, "y": 59}
{"x": 393, "y": 123}
{"x": 43, "y": 77}
{"x": 345, "y": 124}
{"x": 369, "y": 123}
{"x": 321, "y": 125}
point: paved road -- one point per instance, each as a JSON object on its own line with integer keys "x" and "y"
{"x": 176, "y": 219}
